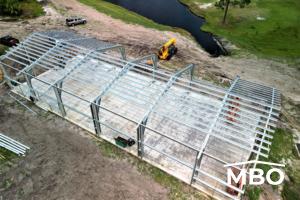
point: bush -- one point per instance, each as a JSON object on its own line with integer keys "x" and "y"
{"x": 242, "y": 3}
{"x": 290, "y": 192}
{"x": 10, "y": 7}
{"x": 31, "y": 8}
{"x": 24, "y": 8}
{"x": 253, "y": 192}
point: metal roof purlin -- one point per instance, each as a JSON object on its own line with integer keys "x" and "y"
{"x": 29, "y": 67}
{"x": 200, "y": 153}
{"x": 59, "y": 83}
{"x": 117, "y": 46}
{"x": 124, "y": 70}
{"x": 142, "y": 125}
{"x": 79, "y": 63}
{"x": 13, "y": 49}
{"x": 96, "y": 103}
{"x": 266, "y": 126}
{"x": 168, "y": 85}
{"x": 76, "y": 39}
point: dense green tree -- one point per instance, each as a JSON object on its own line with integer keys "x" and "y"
{"x": 224, "y": 4}
{"x": 10, "y": 7}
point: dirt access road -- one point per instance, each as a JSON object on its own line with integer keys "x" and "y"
{"x": 64, "y": 163}
{"x": 141, "y": 41}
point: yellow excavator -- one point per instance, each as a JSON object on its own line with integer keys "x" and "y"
{"x": 168, "y": 50}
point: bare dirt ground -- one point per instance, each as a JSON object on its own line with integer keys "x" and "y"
{"x": 64, "y": 163}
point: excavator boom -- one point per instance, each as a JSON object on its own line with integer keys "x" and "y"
{"x": 168, "y": 50}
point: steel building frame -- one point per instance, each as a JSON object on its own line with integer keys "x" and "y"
{"x": 241, "y": 117}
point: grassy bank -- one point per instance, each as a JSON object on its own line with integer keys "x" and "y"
{"x": 6, "y": 158}
{"x": 2, "y": 49}
{"x": 283, "y": 150}
{"x": 31, "y": 9}
{"x": 125, "y": 15}
{"x": 23, "y": 9}
{"x": 6, "y": 155}
{"x": 276, "y": 36}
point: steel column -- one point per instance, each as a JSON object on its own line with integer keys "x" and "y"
{"x": 191, "y": 74}
{"x": 95, "y": 115}
{"x": 140, "y": 137}
{"x": 28, "y": 77}
{"x": 199, "y": 158}
{"x": 57, "y": 91}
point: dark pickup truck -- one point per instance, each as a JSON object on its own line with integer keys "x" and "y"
{"x": 9, "y": 41}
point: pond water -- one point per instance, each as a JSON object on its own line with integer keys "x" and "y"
{"x": 175, "y": 14}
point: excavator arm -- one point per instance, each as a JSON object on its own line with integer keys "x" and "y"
{"x": 168, "y": 50}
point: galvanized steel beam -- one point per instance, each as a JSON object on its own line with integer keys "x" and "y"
{"x": 270, "y": 113}
{"x": 143, "y": 123}
{"x": 95, "y": 108}
{"x": 140, "y": 138}
{"x": 29, "y": 83}
{"x": 200, "y": 153}
{"x": 120, "y": 47}
{"x": 95, "y": 117}
{"x": 29, "y": 67}
{"x": 13, "y": 145}
{"x": 57, "y": 91}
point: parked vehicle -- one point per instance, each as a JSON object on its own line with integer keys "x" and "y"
{"x": 9, "y": 41}
{"x": 73, "y": 21}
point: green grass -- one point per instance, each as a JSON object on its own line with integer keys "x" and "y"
{"x": 110, "y": 151}
{"x": 6, "y": 156}
{"x": 282, "y": 147}
{"x": 281, "y": 151}
{"x": 3, "y": 49}
{"x": 253, "y": 192}
{"x": 276, "y": 37}
{"x": 21, "y": 9}
{"x": 291, "y": 191}
{"x": 125, "y": 15}
{"x": 7, "y": 159}
{"x": 178, "y": 190}
{"x": 31, "y": 9}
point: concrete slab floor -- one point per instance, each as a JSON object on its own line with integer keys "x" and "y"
{"x": 131, "y": 97}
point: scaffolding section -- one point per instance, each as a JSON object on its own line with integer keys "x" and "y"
{"x": 185, "y": 126}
